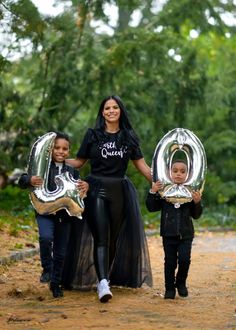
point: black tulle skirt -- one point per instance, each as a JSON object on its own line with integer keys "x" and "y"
{"x": 131, "y": 266}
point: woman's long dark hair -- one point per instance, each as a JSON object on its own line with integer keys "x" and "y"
{"x": 127, "y": 133}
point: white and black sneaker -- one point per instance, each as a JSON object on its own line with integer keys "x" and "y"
{"x": 104, "y": 292}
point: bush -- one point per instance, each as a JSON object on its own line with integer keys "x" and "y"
{"x": 16, "y": 213}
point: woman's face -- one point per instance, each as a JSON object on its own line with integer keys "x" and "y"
{"x": 111, "y": 111}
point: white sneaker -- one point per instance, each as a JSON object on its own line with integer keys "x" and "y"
{"x": 103, "y": 289}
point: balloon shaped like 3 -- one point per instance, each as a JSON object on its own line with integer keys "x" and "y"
{"x": 66, "y": 195}
{"x": 179, "y": 139}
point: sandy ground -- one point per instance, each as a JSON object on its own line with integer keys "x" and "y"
{"x": 27, "y": 304}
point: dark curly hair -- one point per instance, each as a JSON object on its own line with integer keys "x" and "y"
{"x": 62, "y": 135}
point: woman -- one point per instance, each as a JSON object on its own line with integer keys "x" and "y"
{"x": 112, "y": 211}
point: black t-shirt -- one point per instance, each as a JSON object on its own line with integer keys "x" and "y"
{"x": 107, "y": 158}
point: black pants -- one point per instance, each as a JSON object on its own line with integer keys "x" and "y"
{"x": 177, "y": 252}
{"x": 105, "y": 217}
{"x": 53, "y": 240}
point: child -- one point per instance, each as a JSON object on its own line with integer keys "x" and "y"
{"x": 54, "y": 229}
{"x": 177, "y": 231}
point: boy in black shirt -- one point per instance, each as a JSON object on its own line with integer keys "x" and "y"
{"x": 177, "y": 231}
{"x": 54, "y": 229}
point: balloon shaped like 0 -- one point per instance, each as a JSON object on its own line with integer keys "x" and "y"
{"x": 66, "y": 195}
{"x": 179, "y": 139}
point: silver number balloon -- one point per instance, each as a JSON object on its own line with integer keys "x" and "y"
{"x": 66, "y": 195}
{"x": 179, "y": 139}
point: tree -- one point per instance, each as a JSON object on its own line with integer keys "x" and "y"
{"x": 167, "y": 77}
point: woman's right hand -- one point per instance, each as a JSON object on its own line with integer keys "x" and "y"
{"x": 83, "y": 187}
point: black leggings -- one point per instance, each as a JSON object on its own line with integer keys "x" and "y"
{"x": 105, "y": 217}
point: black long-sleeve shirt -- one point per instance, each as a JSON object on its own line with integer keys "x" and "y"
{"x": 174, "y": 221}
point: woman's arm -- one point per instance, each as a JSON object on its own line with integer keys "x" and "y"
{"x": 143, "y": 168}
{"x": 77, "y": 162}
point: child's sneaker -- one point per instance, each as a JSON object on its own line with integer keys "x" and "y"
{"x": 103, "y": 289}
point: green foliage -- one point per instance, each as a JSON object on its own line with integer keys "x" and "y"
{"x": 26, "y": 21}
{"x": 16, "y": 213}
{"x": 15, "y": 200}
{"x": 166, "y": 77}
{"x": 221, "y": 217}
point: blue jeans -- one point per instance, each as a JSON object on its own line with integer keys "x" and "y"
{"x": 53, "y": 240}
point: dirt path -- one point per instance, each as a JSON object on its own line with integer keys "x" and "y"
{"x": 26, "y": 304}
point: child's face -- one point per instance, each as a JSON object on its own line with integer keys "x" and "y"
{"x": 179, "y": 172}
{"x": 60, "y": 150}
